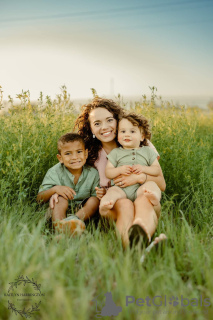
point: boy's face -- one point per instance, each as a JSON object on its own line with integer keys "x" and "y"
{"x": 129, "y": 136}
{"x": 73, "y": 155}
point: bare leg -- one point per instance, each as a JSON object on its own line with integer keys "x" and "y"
{"x": 59, "y": 211}
{"x": 153, "y": 194}
{"x": 89, "y": 209}
{"x": 123, "y": 214}
{"x": 58, "y": 216}
{"x": 109, "y": 199}
{"x": 145, "y": 214}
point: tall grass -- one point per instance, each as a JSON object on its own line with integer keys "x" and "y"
{"x": 75, "y": 271}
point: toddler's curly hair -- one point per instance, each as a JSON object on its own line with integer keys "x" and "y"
{"x": 139, "y": 121}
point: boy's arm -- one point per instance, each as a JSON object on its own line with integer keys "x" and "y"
{"x": 111, "y": 172}
{"x": 153, "y": 170}
{"x": 66, "y": 192}
{"x": 95, "y": 185}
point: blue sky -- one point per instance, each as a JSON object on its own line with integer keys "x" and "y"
{"x": 113, "y": 46}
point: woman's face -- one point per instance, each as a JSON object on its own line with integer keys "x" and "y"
{"x": 103, "y": 125}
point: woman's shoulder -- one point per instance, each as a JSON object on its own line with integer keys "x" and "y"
{"x": 153, "y": 148}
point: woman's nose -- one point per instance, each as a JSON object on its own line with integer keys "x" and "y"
{"x": 104, "y": 125}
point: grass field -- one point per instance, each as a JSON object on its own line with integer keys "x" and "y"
{"x": 75, "y": 271}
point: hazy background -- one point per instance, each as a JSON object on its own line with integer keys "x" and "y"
{"x": 113, "y": 46}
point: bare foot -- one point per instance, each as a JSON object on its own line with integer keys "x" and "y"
{"x": 151, "y": 196}
{"x": 154, "y": 244}
{"x": 161, "y": 237}
{"x": 105, "y": 206}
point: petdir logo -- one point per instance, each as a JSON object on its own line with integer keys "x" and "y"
{"x": 24, "y": 291}
{"x": 105, "y": 306}
{"x": 163, "y": 301}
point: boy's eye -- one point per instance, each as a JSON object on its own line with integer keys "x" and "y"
{"x": 79, "y": 151}
{"x": 132, "y": 131}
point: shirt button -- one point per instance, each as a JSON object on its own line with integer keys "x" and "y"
{"x": 133, "y": 153}
{"x": 133, "y": 158}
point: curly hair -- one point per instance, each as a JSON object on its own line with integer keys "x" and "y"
{"x": 141, "y": 122}
{"x": 82, "y": 124}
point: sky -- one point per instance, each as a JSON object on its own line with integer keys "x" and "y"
{"x": 113, "y": 46}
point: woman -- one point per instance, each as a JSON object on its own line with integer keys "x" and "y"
{"x": 97, "y": 123}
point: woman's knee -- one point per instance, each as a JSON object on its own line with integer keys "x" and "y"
{"x": 123, "y": 204}
{"x": 125, "y": 207}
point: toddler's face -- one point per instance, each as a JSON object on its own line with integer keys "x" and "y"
{"x": 129, "y": 136}
{"x": 73, "y": 155}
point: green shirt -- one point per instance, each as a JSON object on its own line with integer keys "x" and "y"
{"x": 144, "y": 156}
{"x": 59, "y": 175}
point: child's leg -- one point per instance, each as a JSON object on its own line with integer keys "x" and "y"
{"x": 59, "y": 210}
{"x": 109, "y": 199}
{"x": 65, "y": 226}
{"x": 89, "y": 209}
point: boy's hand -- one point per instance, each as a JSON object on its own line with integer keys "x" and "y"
{"x": 137, "y": 168}
{"x": 66, "y": 192}
{"x": 53, "y": 200}
{"x": 126, "y": 170}
{"x": 100, "y": 192}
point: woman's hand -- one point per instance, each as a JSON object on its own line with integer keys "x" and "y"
{"x": 123, "y": 181}
{"x": 100, "y": 192}
{"x": 53, "y": 200}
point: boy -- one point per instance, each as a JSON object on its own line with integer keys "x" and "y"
{"x": 74, "y": 182}
{"x": 133, "y": 130}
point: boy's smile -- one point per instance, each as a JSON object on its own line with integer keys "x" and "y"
{"x": 73, "y": 156}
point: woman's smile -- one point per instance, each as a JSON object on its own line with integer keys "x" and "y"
{"x": 103, "y": 124}
{"x": 106, "y": 134}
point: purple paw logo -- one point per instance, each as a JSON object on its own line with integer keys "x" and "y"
{"x": 174, "y": 301}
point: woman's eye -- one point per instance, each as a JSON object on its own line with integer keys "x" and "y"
{"x": 110, "y": 120}
{"x": 96, "y": 124}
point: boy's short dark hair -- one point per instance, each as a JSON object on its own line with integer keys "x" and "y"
{"x": 69, "y": 137}
{"x": 141, "y": 122}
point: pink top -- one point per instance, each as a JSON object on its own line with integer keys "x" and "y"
{"x": 101, "y": 163}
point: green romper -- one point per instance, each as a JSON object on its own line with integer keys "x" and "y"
{"x": 120, "y": 157}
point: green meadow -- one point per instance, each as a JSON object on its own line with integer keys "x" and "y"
{"x": 75, "y": 273}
